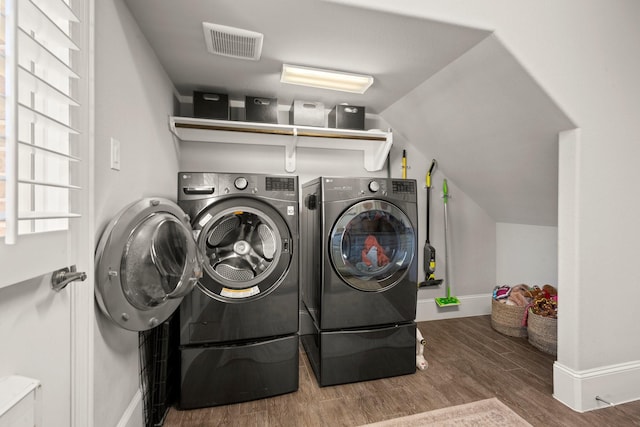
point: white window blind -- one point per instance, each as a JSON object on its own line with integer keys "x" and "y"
{"x": 41, "y": 114}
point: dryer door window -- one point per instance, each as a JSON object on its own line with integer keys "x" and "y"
{"x": 372, "y": 245}
{"x": 146, "y": 261}
{"x": 247, "y": 246}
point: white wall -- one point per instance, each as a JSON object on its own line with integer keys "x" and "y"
{"x": 310, "y": 163}
{"x": 134, "y": 98}
{"x": 526, "y": 254}
{"x": 471, "y": 239}
{"x": 584, "y": 54}
{"x": 482, "y": 253}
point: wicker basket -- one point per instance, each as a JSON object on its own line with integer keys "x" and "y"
{"x": 507, "y": 319}
{"x": 543, "y": 332}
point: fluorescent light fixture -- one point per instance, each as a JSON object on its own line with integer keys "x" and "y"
{"x": 325, "y": 79}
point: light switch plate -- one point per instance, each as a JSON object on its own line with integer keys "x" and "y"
{"x": 115, "y": 154}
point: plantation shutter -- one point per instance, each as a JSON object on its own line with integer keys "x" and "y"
{"x": 40, "y": 135}
{"x": 41, "y": 126}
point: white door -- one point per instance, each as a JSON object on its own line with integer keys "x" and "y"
{"x": 47, "y": 335}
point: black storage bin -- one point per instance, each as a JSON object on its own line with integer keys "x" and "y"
{"x": 262, "y": 110}
{"x": 207, "y": 105}
{"x": 347, "y": 117}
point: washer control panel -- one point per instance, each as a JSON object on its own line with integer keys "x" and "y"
{"x": 205, "y": 185}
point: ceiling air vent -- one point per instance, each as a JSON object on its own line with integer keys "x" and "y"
{"x": 233, "y": 42}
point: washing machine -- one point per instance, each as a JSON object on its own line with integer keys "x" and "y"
{"x": 359, "y": 277}
{"x": 239, "y": 326}
{"x": 226, "y": 259}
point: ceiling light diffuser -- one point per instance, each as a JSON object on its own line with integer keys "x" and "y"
{"x": 325, "y": 79}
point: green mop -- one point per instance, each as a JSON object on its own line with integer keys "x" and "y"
{"x": 448, "y": 300}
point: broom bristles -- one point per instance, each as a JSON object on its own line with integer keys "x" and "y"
{"x": 447, "y": 301}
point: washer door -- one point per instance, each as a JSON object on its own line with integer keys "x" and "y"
{"x": 372, "y": 245}
{"x": 247, "y": 247}
{"x": 146, "y": 261}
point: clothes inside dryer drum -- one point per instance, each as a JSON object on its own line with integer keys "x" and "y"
{"x": 372, "y": 245}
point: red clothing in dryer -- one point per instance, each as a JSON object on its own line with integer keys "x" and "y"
{"x": 370, "y": 242}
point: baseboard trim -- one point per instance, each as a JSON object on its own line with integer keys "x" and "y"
{"x": 133, "y": 415}
{"x": 615, "y": 384}
{"x": 470, "y": 305}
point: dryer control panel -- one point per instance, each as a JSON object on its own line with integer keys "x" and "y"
{"x": 403, "y": 186}
{"x": 341, "y": 188}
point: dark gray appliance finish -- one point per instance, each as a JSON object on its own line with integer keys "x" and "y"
{"x": 338, "y": 216}
{"x": 359, "y": 277}
{"x": 346, "y": 117}
{"x": 339, "y": 357}
{"x": 220, "y": 375}
{"x": 246, "y": 228}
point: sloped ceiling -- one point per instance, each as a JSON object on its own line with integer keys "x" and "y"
{"x": 454, "y": 92}
{"x": 493, "y": 130}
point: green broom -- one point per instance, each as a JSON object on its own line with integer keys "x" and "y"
{"x": 448, "y": 300}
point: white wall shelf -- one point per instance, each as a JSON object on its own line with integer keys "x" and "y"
{"x": 374, "y": 144}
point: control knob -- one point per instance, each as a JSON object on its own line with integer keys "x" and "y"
{"x": 374, "y": 186}
{"x": 241, "y": 183}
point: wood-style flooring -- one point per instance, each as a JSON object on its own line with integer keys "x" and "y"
{"x": 468, "y": 361}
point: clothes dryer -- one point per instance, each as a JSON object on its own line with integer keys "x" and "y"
{"x": 359, "y": 278}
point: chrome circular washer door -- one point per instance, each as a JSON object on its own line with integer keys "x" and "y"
{"x": 372, "y": 245}
{"x": 146, "y": 261}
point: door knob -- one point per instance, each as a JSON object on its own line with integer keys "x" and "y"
{"x": 61, "y": 278}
